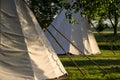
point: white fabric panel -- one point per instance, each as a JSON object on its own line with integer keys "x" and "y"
{"x": 94, "y": 48}
{"x": 14, "y": 59}
{"x": 78, "y": 34}
{"x": 58, "y": 23}
{"x": 25, "y": 53}
{"x": 48, "y": 63}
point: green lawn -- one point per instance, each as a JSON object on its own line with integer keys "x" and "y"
{"x": 108, "y": 41}
{"x": 109, "y": 60}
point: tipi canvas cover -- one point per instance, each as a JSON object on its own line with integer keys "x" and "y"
{"x": 25, "y": 53}
{"x": 79, "y": 34}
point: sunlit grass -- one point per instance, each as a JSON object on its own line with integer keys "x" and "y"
{"x": 109, "y": 60}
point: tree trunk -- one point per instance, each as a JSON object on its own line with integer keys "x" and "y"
{"x": 115, "y": 30}
{"x": 116, "y": 23}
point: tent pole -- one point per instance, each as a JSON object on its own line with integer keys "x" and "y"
{"x": 67, "y": 53}
{"x": 80, "y": 50}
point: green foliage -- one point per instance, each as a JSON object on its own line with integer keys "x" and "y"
{"x": 44, "y": 10}
{"x": 101, "y": 26}
{"x": 97, "y": 9}
{"x": 94, "y": 8}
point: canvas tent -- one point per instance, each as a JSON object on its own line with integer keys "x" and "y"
{"x": 79, "y": 34}
{"x": 25, "y": 53}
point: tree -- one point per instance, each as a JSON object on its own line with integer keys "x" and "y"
{"x": 97, "y": 9}
{"x": 45, "y": 10}
{"x": 114, "y": 13}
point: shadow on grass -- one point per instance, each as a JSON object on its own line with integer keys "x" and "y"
{"x": 102, "y": 62}
{"x": 108, "y": 47}
{"x": 113, "y": 69}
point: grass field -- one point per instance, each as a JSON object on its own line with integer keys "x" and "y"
{"x": 109, "y": 60}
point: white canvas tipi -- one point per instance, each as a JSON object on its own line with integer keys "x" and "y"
{"x": 79, "y": 34}
{"x": 25, "y": 53}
